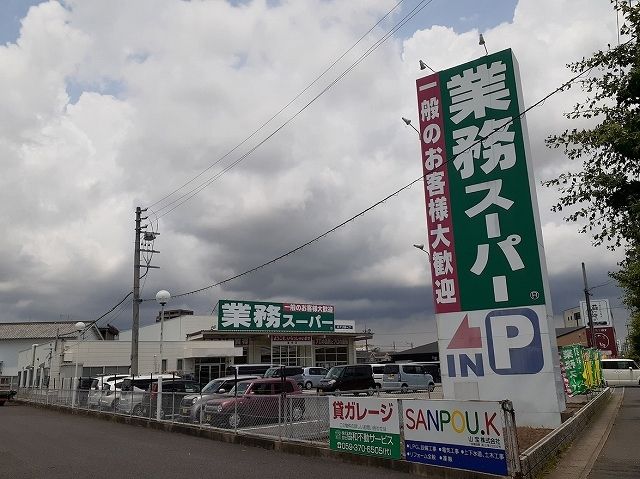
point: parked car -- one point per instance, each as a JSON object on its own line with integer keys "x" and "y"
{"x": 352, "y": 377}
{"x": 311, "y": 377}
{"x": 191, "y": 404}
{"x": 173, "y": 390}
{"x": 378, "y": 374}
{"x": 405, "y": 377}
{"x": 293, "y": 372}
{"x": 6, "y": 389}
{"x": 620, "y": 372}
{"x": 111, "y": 395}
{"x": 99, "y": 385}
{"x": 255, "y": 402}
{"x": 132, "y": 392}
{"x": 257, "y": 369}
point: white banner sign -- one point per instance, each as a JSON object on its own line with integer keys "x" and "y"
{"x": 364, "y": 414}
{"x": 461, "y": 434}
{"x": 279, "y": 340}
{"x": 600, "y": 312}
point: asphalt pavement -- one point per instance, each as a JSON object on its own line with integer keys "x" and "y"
{"x": 620, "y": 456}
{"x": 40, "y": 443}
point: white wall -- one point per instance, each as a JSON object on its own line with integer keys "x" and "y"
{"x": 9, "y": 349}
{"x": 118, "y": 353}
{"x": 175, "y": 329}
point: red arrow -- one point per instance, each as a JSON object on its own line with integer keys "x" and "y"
{"x": 465, "y": 336}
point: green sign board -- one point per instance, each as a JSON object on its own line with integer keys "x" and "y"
{"x": 581, "y": 369}
{"x": 365, "y": 443}
{"x": 365, "y": 426}
{"x": 238, "y": 315}
{"x": 483, "y": 226}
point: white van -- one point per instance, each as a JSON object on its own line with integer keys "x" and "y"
{"x": 620, "y": 372}
{"x": 405, "y": 377}
{"x": 378, "y": 374}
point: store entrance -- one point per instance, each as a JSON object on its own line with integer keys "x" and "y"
{"x": 207, "y": 369}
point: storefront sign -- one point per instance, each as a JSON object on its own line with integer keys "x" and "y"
{"x": 235, "y": 315}
{"x": 344, "y": 326}
{"x": 600, "y": 312}
{"x": 241, "y": 342}
{"x": 365, "y": 426}
{"x": 278, "y": 340}
{"x": 331, "y": 341}
{"x": 605, "y": 340}
{"x": 484, "y": 235}
{"x": 461, "y": 434}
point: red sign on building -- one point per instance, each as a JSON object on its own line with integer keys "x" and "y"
{"x": 605, "y": 340}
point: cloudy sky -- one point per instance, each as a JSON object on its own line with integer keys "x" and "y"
{"x": 109, "y": 105}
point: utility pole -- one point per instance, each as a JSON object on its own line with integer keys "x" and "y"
{"x": 592, "y": 341}
{"x": 136, "y": 293}
{"x": 148, "y": 236}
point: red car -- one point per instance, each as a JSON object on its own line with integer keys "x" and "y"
{"x": 257, "y": 401}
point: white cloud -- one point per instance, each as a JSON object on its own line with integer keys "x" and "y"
{"x": 190, "y": 80}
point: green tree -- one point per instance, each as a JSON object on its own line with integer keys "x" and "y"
{"x": 604, "y": 194}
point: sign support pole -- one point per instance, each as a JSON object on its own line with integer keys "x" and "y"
{"x": 591, "y": 340}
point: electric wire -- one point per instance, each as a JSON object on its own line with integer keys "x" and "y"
{"x": 304, "y": 90}
{"x": 562, "y": 87}
{"x": 171, "y": 206}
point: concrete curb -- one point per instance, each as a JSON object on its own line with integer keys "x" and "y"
{"x": 535, "y": 459}
{"x": 286, "y": 446}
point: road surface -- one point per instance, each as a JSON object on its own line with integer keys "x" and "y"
{"x": 40, "y": 443}
{"x": 620, "y": 456}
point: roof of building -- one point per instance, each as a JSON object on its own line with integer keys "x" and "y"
{"x": 38, "y": 330}
{"x": 565, "y": 331}
{"x": 429, "y": 348}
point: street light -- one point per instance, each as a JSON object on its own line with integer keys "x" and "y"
{"x": 162, "y": 297}
{"x": 80, "y": 328}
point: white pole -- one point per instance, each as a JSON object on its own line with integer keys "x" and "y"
{"x": 161, "y": 337}
{"x": 75, "y": 375}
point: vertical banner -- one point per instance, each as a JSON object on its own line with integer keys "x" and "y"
{"x": 365, "y": 426}
{"x": 466, "y": 435}
{"x": 490, "y": 288}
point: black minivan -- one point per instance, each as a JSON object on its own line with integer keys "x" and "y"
{"x": 352, "y": 377}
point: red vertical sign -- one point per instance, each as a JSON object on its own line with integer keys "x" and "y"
{"x": 446, "y": 294}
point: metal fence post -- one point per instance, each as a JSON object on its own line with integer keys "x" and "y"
{"x": 511, "y": 438}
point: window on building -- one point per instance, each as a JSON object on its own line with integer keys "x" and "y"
{"x": 327, "y": 357}
{"x": 292, "y": 355}
{"x": 179, "y": 365}
{"x": 164, "y": 365}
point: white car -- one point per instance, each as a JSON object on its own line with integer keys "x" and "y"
{"x": 620, "y": 372}
{"x": 99, "y": 386}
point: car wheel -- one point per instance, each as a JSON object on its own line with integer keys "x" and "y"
{"x": 432, "y": 387}
{"x": 308, "y": 385}
{"x": 233, "y": 420}
{"x": 137, "y": 410}
{"x": 116, "y": 403}
{"x": 371, "y": 391}
{"x": 337, "y": 392}
{"x": 297, "y": 412}
{"x": 404, "y": 389}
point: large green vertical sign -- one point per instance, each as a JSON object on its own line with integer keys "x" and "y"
{"x": 478, "y": 189}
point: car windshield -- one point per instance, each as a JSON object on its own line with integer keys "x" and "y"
{"x": 333, "y": 373}
{"x": 272, "y": 373}
{"x": 213, "y": 386}
{"x": 241, "y": 388}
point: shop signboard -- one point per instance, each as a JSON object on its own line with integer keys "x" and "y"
{"x": 490, "y": 287}
{"x": 600, "y": 312}
{"x": 460, "y": 434}
{"x": 365, "y": 426}
{"x": 291, "y": 340}
{"x": 581, "y": 369}
{"x": 605, "y": 340}
{"x": 257, "y": 316}
{"x": 331, "y": 341}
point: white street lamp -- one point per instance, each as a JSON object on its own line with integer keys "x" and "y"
{"x": 80, "y": 326}
{"x": 163, "y": 298}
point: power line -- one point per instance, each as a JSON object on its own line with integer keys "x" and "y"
{"x": 396, "y": 192}
{"x": 257, "y": 130}
{"x": 182, "y": 199}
